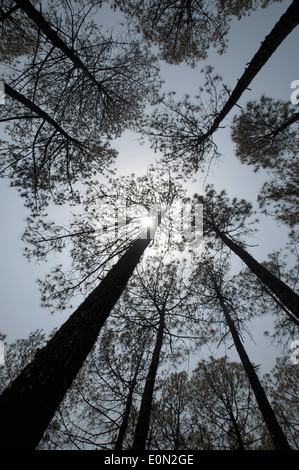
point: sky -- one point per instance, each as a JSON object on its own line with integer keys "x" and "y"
{"x": 20, "y": 310}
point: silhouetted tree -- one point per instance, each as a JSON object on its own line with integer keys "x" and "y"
{"x": 184, "y": 130}
{"x": 228, "y": 221}
{"x": 186, "y": 30}
{"x": 282, "y": 384}
{"x": 222, "y": 402}
{"x": 67, "y": 99}
{"x": 35, "y": 394}
{"x": 213, "y": 291}
{"x": 265, "y": 135}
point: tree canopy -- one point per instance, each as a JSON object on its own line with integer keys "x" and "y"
{"x": 161, "y": 269}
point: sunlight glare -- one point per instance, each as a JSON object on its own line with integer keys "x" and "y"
{"x": 147, "y": 222}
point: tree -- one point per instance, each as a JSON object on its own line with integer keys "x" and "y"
{"x": 222, "y": 401}
{"x": 282, "y": 384}
{"x": 183, "y": 130}
{"x": 166, "y": 304}
{"x": 18, "y": 354}
{"x": 227, "y": 221}
{"x": 115, "y": 215}
{"x": 265, "y": 132}
{"x": 36, "y": 393}
{"x": 53, "y": 370}
{"x": 211, "y": 276}
{"x": 17, "y": 33}
{"x": 284, "y": 265}
{"x": 265, "y": 137}
{"x": 278, "y": 196}
{"x": 170, "y": 420}
{"x": 185, "y": 30}
{"x": 39, "y": 389}
{"x": 96, "y": 410}
{"x": 68, "y": 100}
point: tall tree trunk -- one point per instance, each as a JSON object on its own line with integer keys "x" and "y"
{"x": 279, "y": 440}
{"x": 281, "y": 30}
{"x": 176, "y": 445}
{"x": 49, "y": 32}
{"x": 142, "y": 426}
{"x": 129, "y": 400}
{"x": 37, "y": 110}
{"x": 29, "y": 403}
{"x": 282, "y": 291}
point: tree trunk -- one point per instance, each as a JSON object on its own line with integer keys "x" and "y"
{"x": 143, "y": 422}
{"x": 279, "y": 440}
{"x": 281, "y": 30}
{"x": 235, "y": 426}
{"x": 286, "y": 124}
{"x": 129, "y": 400}
{"x": 14, "y": 94}
{"x": 49, "y": 32}
{"x": 282, "y": 291}
{"x": 29, "y": 403}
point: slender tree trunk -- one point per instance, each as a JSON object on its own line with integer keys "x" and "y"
{"x": 29, "y": 403}
{"x": 37, "y": 110}
{"x": 177, "y": 433}
{"x": 279, "y": 440}
{"x": 235, "y": 426}
{"x": 281, "y": 30}
{"x": 282, "y": 291}
{"x": 129, "y": 400}
{"x": 143, "y": 422}
{"x": 49, "y": 32}
{"x": 286, "y": 124}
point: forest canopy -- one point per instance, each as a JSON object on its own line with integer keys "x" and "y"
{"x": 162, "y": 260}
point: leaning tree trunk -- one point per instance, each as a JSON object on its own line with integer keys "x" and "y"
{"x": 282, "y": 291}
{"x": 14, "y": 94}
{"x": 278, "y": 438}
{"x": 281, "y": 30}
{"x": 29, "y": 403}
{"x": 49, "y": 32}
{"x": 143, "y": 422}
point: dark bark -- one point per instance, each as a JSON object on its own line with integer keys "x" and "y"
{"x": 281, "y": 30}
{"x": 286, "y": 124}
{"x": 282, "y": 291}
{"x": 126, "y": 415}
{"x": 44, "y": 26}
{"x": 29, "y": 403}
{"x": 279, "y": 440}
{"x": 14, "y": 94}
{"x": 143, "y": 422}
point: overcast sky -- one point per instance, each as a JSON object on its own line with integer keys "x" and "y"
{"x": 20, "y": 311}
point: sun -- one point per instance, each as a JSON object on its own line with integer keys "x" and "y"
{"x": 147, "y": 222}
